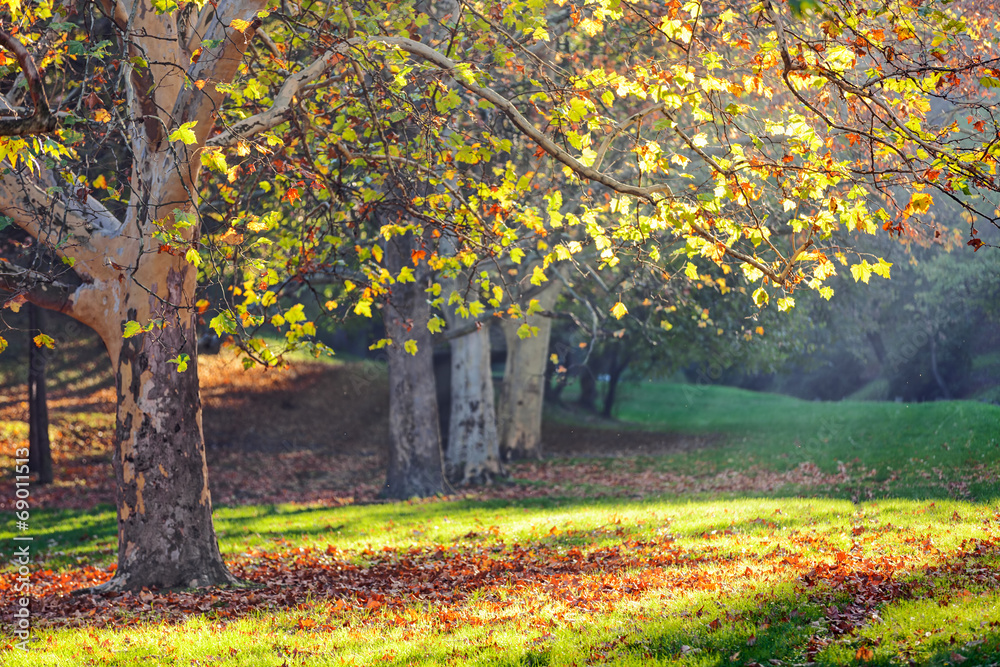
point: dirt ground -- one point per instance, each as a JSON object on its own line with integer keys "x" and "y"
{"x": 312, "y": 432}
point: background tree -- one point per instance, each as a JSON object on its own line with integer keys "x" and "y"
{"x": 39, "y": 447}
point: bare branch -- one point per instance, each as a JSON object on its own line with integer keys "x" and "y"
{"x": 39, "y": 288}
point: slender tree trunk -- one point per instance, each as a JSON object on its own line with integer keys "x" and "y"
{"x": 588, "y": 388}
{"x": 521, "y": 402}
{"x": 619, "y": 362}
{"x": 934, "y": 368}
{"x": 165, "y": 534}
{"x": 556, "y": 381}
{"x": 39, "y": 450}
{"x": 473, "y": 452}
{"x": 415, "y": 461}
{"x": 878, "y": 347}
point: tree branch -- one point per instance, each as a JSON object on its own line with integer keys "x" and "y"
{"x": 42, "y": 120}
{"x": 39, "y": 288}
{"x": 71, "y": 228}
{"x": 278, "y": 113}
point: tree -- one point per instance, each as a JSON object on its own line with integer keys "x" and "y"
{"x": 129, "y": 284}
{"x": 519, "y": 418}
{"x": 39, "y": 449}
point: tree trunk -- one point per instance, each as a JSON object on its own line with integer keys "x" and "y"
{"x": 39, "y": 451}
{"x": 555, "y": 381}
{"x": 415, "y": 461}
{"x": 619, "y": 362}
{"x": 935, "y": 371}
{"x": 521, "y": 402}
{"x": 473, "y": 453}
{"x": 165, "y": 534}
{"x": 588, "y": 388}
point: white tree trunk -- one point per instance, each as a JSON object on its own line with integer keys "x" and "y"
{"x": 521, "y": 400}
{"x": 473, "y": 453}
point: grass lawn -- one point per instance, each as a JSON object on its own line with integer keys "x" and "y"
{"x": 873, "y": 539}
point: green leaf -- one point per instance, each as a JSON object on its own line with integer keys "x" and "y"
{"x": 164, "y": 6}
{"x": 435, "y": 325}
{"x": 526, "y": 331}
{"x": 182, "y": 362}
{"x": 214, "y": 159}
{"x": 185, "y": 133}
{"x": 254, "y": 89}
{"x": 295, "y": 314}
{"x": 132, "y": 328}
{"x": 223, "y": 323}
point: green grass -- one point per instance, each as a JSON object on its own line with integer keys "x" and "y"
{"x": 934, "y": 480}
{"x": 761, "y": 619}
{"x": 915, "y": 450}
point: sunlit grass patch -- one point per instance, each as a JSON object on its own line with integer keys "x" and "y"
{"x": 547, "y": 582}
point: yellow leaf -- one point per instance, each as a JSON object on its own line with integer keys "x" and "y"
{"x": 100, "y": 182}
{"x": 47, "y": 341}
{"x": 240, "y": 24}
{"x": 538, "y": 276}
{"x": 619, "y": 310}
{"x": 102, "y": 115}
{"x": 256, "y": 225}
{"x": 410, "y": 346}
{"x": 920, "y": 202}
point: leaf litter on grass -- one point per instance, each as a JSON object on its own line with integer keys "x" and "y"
{"x": 560, "y": 579}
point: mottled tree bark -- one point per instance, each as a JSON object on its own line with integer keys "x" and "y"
{"x": 415, "y": 460}
{"x": 166, "y": 538}
{"x": 165, "y": 529}
{"x": 39, "y": 449}
{"x": 520, "y": 414}
{"x": 473, "y": 452}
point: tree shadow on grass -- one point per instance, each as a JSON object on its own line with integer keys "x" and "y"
{"x": 834, "y": 620}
